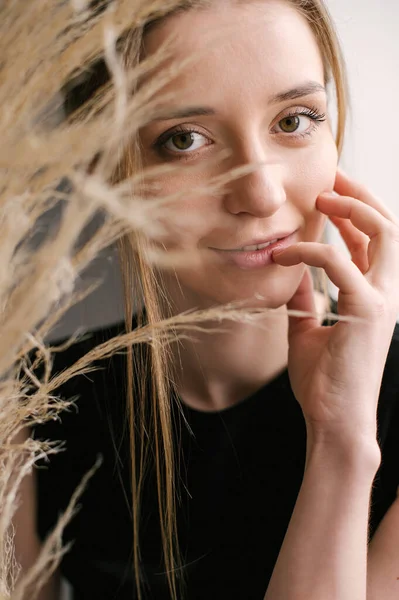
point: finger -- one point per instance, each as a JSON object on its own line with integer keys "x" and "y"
{"x": 342, "y": 272}
{"x": 303, "y": 300}
{"x": 356, "y": 241}
{"x": 382, "y": 233}
{"x": 364, "y": 217}
{"x": 346, "y": 186}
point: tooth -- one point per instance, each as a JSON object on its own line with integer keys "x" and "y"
{"x": 267, "y": 244}
{"x": 249, "y": 248}
{"x": 257, "y": 247}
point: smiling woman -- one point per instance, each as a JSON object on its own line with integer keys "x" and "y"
{"x": 266, "y": 493}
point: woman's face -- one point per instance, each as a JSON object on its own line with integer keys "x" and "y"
{"x": 256, "y": 90}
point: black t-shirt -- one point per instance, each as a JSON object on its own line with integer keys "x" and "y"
{"x": 242, "y": 470}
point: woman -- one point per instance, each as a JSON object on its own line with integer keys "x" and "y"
{"x": 274, "y": 486}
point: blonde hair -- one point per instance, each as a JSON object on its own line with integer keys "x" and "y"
{"x": 154, "y": 388}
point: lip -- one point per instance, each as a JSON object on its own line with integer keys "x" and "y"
{"x": 256, "y": 259}
{"x": 258, "y": 241}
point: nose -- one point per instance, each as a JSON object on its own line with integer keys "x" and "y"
{"x": 259, "y": 193}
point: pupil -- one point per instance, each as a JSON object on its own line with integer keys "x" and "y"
{"x": 291, "y": 124}
{"x": 183, "y": 141}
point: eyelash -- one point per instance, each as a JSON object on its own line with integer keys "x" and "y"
{"x": 311, "y": 113}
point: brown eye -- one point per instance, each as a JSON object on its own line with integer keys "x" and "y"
{"x": 183, "y": 141}
{"x": 290, "y": 124}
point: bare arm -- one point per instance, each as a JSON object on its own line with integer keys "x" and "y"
{"x": 383, "y": 558}
{"x": 324, "y": 554}
{"x": 27, "y": 542}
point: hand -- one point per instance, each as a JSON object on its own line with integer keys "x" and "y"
{"x": 336, "y": 371}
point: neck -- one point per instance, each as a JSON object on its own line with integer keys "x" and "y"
{"x": 216, "y": 370}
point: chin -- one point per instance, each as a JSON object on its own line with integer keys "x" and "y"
{"x": 273, "y": 292}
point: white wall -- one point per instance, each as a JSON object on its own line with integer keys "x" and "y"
{"x": 368, "y": 31}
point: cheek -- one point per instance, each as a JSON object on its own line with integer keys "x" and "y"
{"x": 185, "y": 213}
{"x": 325, "y": 167}
{"x": 315, "y": 173}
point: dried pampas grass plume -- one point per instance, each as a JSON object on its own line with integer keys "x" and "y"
{"x": 46, "y": 159}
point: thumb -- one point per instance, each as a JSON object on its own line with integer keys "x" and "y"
{"x": 302, "y": 300}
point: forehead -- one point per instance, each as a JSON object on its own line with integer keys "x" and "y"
{"x": 248, "y": 47}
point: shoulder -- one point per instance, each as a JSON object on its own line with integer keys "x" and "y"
{"x": 90, "y": 392}
{"x": 64, "y": 358}
{"x": 84, "y": 343}
{"x": 89, "y": 428}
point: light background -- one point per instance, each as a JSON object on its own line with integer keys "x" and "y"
{"x": 368, "y": 30}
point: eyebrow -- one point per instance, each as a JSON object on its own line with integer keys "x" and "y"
{"x": 306, "y": 89}
{"x": 182, "y": 113}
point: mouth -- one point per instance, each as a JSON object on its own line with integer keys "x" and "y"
{"x": 258, "y": 243}
{"x": 255, "y": 255}
{"x": 254, "y": 246}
